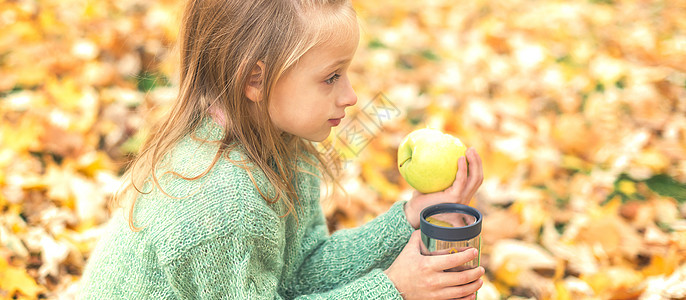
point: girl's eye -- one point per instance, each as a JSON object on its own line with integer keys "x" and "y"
{"x": 332, "y": 79}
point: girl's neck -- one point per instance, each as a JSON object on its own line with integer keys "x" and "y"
{"x": 217, "y": 115}
{"x": 220, "y": 118}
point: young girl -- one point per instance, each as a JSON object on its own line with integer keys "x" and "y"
{"x": 223, "y": 199}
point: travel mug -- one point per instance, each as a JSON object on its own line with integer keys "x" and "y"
{"x": 449, "y": 228}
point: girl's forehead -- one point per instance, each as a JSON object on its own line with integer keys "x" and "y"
{"x": 336, "y": 49}
{"x": 344, "y": 37}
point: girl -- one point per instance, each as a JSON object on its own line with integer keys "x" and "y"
{"x": 223, "y": 199}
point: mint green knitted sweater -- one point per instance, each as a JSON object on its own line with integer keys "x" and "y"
{"x": 218, "y": 239}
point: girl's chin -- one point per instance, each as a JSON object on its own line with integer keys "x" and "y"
{"x": 319, "y": 137}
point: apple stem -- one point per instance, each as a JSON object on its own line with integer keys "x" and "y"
{"x": 401, "y": 164}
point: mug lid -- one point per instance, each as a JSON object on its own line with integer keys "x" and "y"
{"x": 446, "y": 233}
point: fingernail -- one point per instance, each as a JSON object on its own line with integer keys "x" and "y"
{"x": 475, "y": 252}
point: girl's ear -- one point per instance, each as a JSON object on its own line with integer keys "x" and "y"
{"x": 253, "y": 88}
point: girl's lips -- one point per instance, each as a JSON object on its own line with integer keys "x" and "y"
{"x": 334, "y": 122}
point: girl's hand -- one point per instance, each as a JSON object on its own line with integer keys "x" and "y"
{"x": 421, "y": 277}
{"x": 463, "y": 189}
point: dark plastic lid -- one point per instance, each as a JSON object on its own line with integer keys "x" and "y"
{"x": 462, "y": 233}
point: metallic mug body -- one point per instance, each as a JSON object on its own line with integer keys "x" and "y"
{"x": 449, "y": 228}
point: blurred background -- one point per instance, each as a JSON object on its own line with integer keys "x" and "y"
{"x": 578, "y": 109}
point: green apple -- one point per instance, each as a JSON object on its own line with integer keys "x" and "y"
{"x": 427, "y": 159}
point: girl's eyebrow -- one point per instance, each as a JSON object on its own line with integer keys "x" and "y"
{"x": 337, "y": 63}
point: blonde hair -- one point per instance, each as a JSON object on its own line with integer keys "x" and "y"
{"x": 220, "y": 41}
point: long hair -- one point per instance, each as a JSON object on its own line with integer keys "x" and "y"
{"x": 219, "y": 43}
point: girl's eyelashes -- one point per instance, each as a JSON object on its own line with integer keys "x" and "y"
{"x": 333, "y": 78}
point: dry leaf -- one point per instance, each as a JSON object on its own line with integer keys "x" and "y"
{"x": 514, "y": 262}
{"x": 15, "y": 279}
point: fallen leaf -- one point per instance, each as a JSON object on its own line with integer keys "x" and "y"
{"x": 15, "y": 279}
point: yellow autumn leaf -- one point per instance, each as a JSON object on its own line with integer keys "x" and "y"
{"x": 14, "y": 279}
{"x": 93, "y": 10}
{"x": 65, "y": 92}
{"x": 497, "y": 164}
{"x": 376, "y": 179}
{"x": 573, "y": 135}
{"x": 575, "y": 163}
{"x": 654, "y": 159}
{"x": 78, "y": 238}
{"x": 21, "y": 137}
{"x": 48, "y": 19}
{"x": 627, "y": 187}
{"x": 609, "y": 234}
{"x": 508, "y": 274}
{"x": 531, "y": 212}
{"x": 618, "y": 282}
{"x": 93, "y": 162}
{"x": 662, "y": 264}
{"x": 561, "y": 292}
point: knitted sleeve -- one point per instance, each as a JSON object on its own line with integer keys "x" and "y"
{"x": 237, "y": 266}
{"x": 349, "y": 254}
{"x": 226, "y": 267}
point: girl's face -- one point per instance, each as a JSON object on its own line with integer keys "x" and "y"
{"x": 312, "y": 95}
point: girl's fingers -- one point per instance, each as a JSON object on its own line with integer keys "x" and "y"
{"x": 414, "y": 245}
{"x": 461, "y": 176}
{"x": 460, "y": 291}
{"x": 474, "y": 164}
{"x": 481, "y": 167}
{"x": 448, "y": 279}
{"x": 444, "y": 262}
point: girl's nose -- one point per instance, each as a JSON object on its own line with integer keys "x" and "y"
{"x": 349, "y": 98}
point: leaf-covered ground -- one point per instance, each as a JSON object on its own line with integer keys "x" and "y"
{"x": 578, "y": 109}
